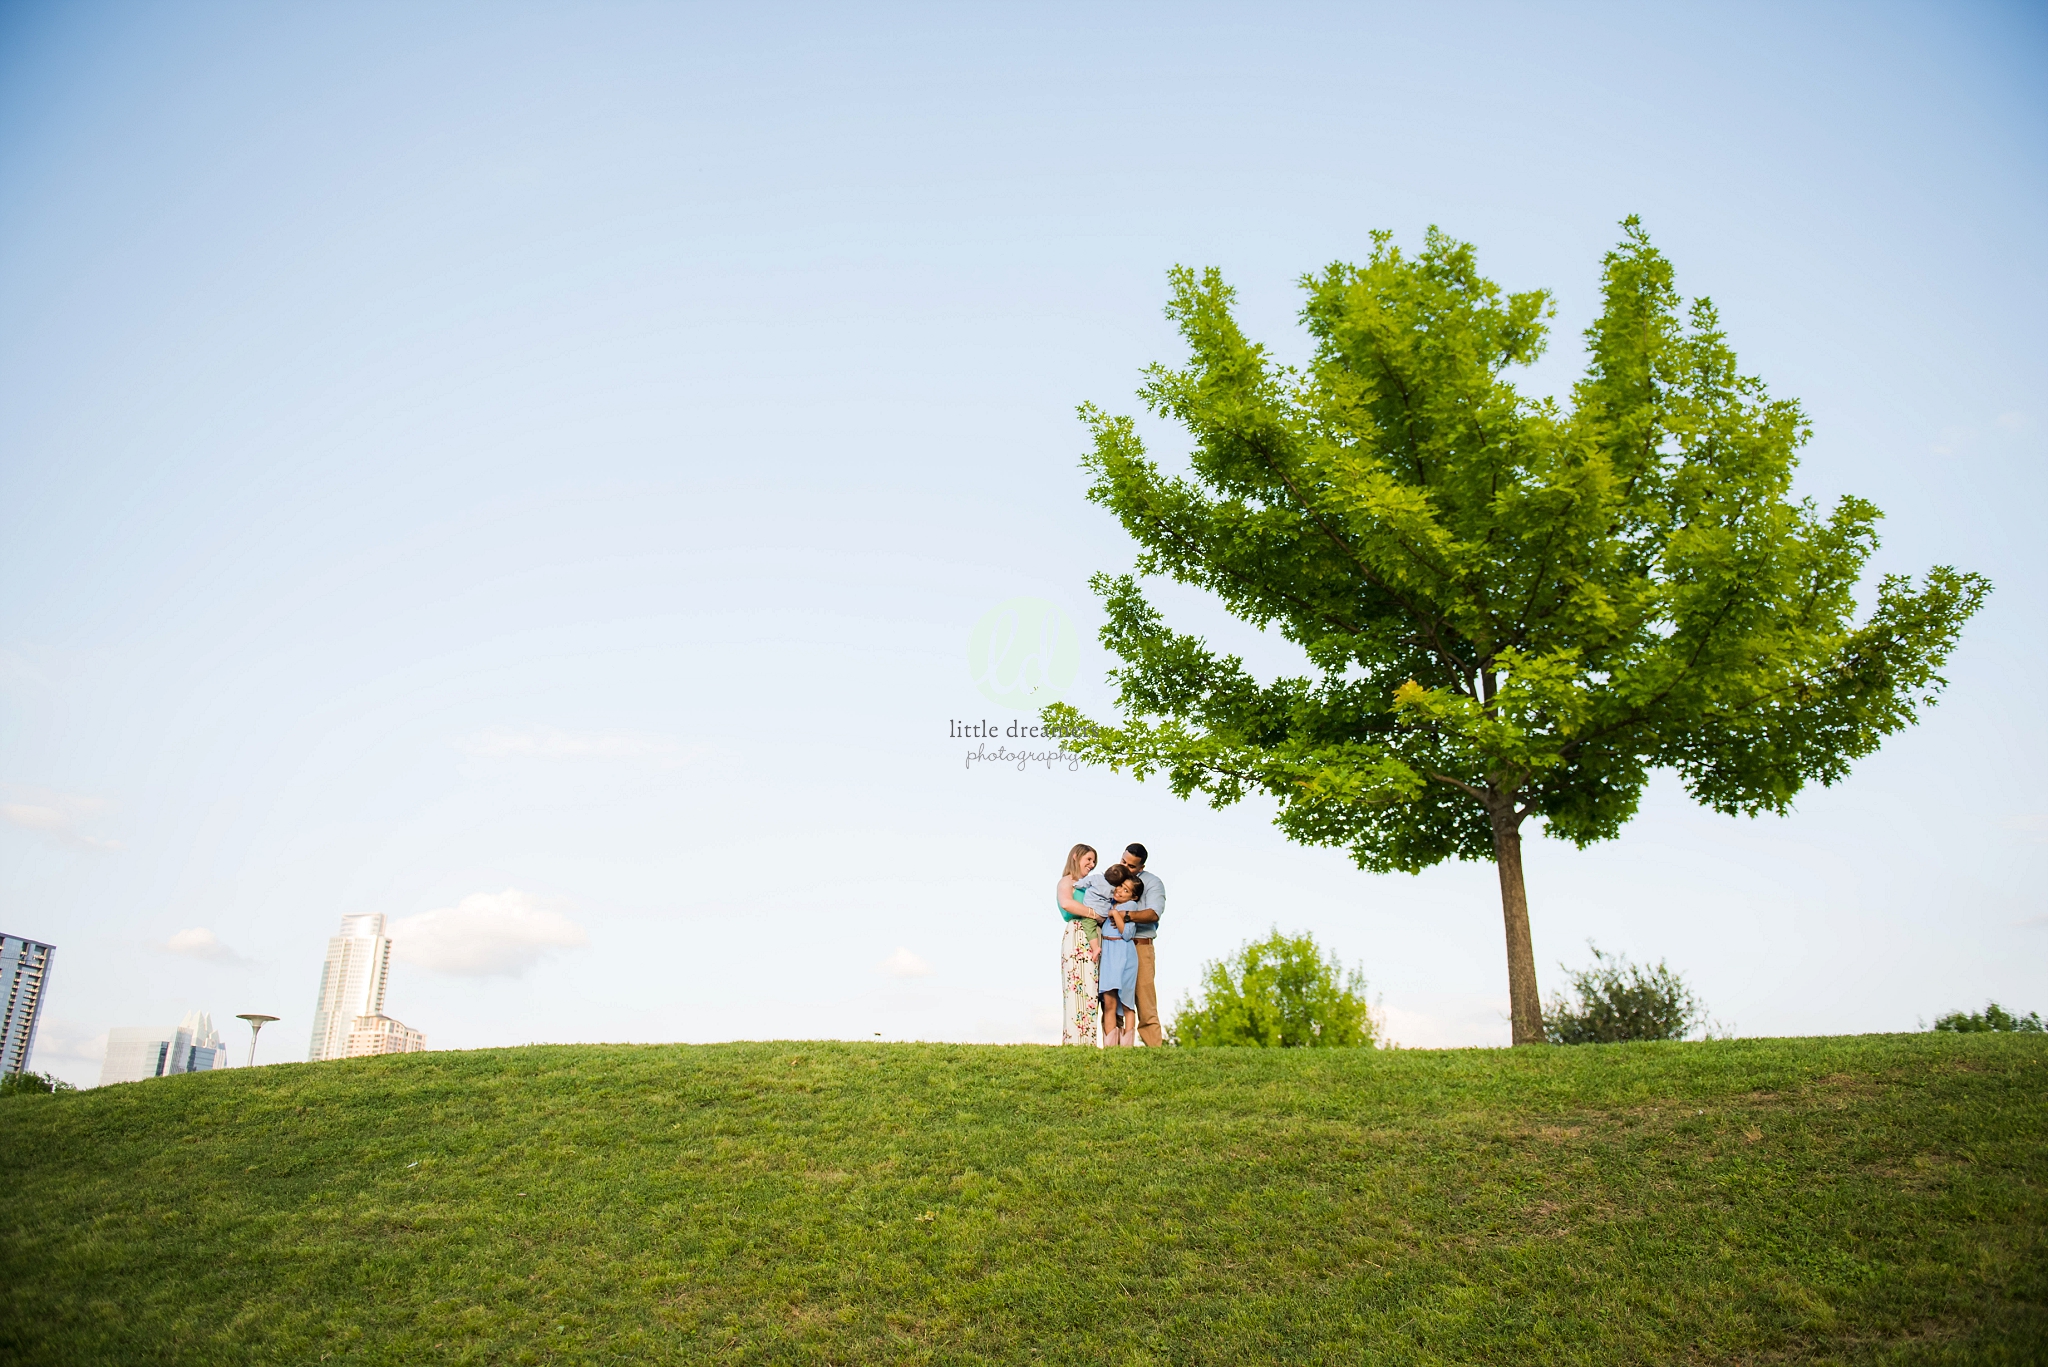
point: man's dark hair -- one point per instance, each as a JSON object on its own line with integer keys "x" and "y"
{"x": 1138, "y": 850}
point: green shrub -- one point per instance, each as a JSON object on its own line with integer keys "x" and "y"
{"x": 1279, "y": 992}
{"x": 14, "y": 1083}
{"x": 1618, "y": 1000}
{"x": 1992, "y": 1017}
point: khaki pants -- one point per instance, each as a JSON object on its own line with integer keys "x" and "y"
{"x": 1148, "y": 998}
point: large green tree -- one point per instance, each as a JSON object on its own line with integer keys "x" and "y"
{"x": 1511, "y": 608}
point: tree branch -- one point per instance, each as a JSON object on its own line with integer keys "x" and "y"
{"x": 1478, "y": 794}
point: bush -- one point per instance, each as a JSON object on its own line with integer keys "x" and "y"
{"x": 1619, "y": 1001}
{"x": 12, "y": 1084}
{"x": 1279, "y": 992}
{"x": 1993, "y": 1017}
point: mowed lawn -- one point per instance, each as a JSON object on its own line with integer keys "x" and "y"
{"x": 1872, "y": 1199}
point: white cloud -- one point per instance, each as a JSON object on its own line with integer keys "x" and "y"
{"x": 57, "y": 817}
{"x": 904, "y": 964}
{"x": 34, "y": 818}
{"x": 550, "y": 744}
{"x": 201, "y": 943}
{"x": 486, "y": 934}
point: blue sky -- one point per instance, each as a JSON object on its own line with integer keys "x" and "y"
{"x": 532, "y": 472}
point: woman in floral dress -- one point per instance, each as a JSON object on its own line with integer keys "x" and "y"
{"x": 1080, "y": 948}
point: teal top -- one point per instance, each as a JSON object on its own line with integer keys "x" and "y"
{"x": 1080, "y": 897}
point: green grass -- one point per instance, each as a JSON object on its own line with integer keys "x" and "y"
{"x": 1876, "y": 1199}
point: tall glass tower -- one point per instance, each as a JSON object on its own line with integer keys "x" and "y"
{"x": 24, "y": 968}
{"x": 352, "y": 984}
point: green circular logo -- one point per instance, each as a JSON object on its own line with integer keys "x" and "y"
{"x": 1022, "y": 653}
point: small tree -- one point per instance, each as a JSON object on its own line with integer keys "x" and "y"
{"x": 1511, "y": 608}
{"x": 15, "y": 1084}
{"x": 1618, "y": 1001}
{"x": 1279, "y": 992}
{"x": 1992, "y": 1017}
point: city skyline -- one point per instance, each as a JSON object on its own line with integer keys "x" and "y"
{"x": 349, "y": 1020}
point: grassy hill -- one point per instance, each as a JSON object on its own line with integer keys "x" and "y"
{"x": 1877, "y": 1199}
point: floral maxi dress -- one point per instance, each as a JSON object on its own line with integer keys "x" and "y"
{"x": 1081, "y": 1009}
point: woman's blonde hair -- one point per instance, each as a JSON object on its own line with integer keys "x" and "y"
{"x": 1073, "y": 868}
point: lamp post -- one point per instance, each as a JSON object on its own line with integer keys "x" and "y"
{"x": 256, "y": 1023}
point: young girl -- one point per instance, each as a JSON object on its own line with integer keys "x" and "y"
{"x": 1080, "y": 947}
{"x": 1119, "y": 967}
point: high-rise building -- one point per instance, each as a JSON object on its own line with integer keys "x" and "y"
{"x": 24, "y": 969}
{"x": 135, "y": 1052}
{"x": 383, "y": 1035}
{"x": 138, "y": 1052}
{"x": 352, "y": 984}
{"x": 206, "y": 1051}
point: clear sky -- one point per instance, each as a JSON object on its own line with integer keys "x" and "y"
{"x": 532, "y": 471}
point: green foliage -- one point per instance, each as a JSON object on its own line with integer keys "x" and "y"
{"x": 1279, "y": 992}
{"x": 1992, "y": 1017}
{"x": 1509, "y": 607}
{"x": 1620, "y": 1001}
{"x": 13, "y": 1084}
{"x": 1853, "y": 1201}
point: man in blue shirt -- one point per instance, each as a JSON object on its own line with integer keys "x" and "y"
{"x": 1144, "y": 914}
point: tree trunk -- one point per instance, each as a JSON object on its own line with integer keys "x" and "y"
{"x": 1523, "y": 1003}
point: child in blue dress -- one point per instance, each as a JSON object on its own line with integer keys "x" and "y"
{"x": 1117, "y": 974}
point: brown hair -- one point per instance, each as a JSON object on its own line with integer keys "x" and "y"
{"x": 1118, "y": 874}
{"x": 1073, "y": 868}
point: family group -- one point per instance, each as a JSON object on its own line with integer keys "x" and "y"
{"x": 1106, "y": 962}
